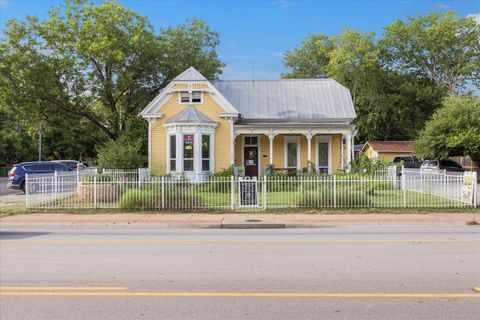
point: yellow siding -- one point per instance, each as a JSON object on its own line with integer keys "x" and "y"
{"x": 159, "y": 133}
{"x": 388, "y": 156}
{"x": 368, "y": 151}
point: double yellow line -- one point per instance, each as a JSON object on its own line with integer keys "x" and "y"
{"x": 122, "y": 292}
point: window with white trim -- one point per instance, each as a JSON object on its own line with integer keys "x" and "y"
{"x": 173, "y": 152}
{"x": 323, "y": 157}
{"x": 191, "y": 97}
{"x": 205, "y": 152}
{"x": 292, "y": 153}
{"x": 188, "y": 154}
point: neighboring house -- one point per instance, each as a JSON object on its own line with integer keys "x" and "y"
{"x": 387, "y": 150}
{"x": 198, "y": 126}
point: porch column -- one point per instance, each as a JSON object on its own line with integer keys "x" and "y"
{"x": 354, "y": 133}
{"x": 349, "y": 151}
{"x": 309, "y": 137}
{"x": 271, "y": 136}
{"x": 232, "y": 143}
{"x": 150, "y": 121}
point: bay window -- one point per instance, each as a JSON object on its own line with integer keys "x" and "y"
{"x": 190, "y": 149}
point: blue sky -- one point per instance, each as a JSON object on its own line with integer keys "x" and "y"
{"x": 261, "y": 31}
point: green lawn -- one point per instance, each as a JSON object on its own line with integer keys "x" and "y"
{"x": 385, "y": 198}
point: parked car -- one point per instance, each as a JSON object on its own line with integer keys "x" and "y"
{"x": 16, "y": 176}
{"x": 445, "y": 164}
{"x": 408, "y": 161}
{"x": 72, "y": 164}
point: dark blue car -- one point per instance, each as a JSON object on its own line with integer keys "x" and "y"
{"x": 16, "y": 176}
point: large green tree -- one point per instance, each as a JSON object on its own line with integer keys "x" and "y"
{"x": 454, "y": 130}
{"x": 442, "y": 47}
{"x": 389, "y": 105}
{"x": 99, "y": 63}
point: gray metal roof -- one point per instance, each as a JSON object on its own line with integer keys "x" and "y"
{"x": 316, "y": 100}
{"x": 190, "y": 115}
{"x": 191, "y": 74}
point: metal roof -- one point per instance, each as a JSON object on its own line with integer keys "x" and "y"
{"x": 391, "y": 146}
{"x": 190, "y": 115}
{"x": 316, "y": 100}
{"x": 191, "y": 74}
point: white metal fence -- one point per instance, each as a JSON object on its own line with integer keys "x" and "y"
{"x": 137, "y": 190}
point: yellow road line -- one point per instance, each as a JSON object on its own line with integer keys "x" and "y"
{"x": 118, "y": 242}
{"x": 245, "y": 295}
{"x": 147, "y": 241}
{"x": 64, "y": 288}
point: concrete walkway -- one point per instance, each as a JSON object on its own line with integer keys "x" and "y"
{"x": 235, "y": 220}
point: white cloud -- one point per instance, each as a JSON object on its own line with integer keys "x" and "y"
{"x": 3, "y": 2}
{"x": 475, "y": 16}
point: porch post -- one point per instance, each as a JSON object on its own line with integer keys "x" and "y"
{"x": 349, "y": 151}
{"x": 271, "y": 136}
{"x": 309, "y": 137}
{"x": 150, "y": 144}
{"x": 232, "y": 143}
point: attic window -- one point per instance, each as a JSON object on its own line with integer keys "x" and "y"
{"x": 194, "y": 97}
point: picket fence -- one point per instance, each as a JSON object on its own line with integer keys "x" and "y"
{"x": 138, "y": 190}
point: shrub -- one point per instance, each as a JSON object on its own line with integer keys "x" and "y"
{"x": 365, "y": 165}
{"x": 148, "y": 198}
{"x": 140, "y": 199}
{"x": 324, "y": 197}
{"x": 121, "y": 154}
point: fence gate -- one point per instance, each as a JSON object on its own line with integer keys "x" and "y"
{"x": 248, "y": 192}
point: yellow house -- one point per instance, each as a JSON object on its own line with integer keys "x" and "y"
{"x": 387, "y": 150}
{"x": 198, "y": 126}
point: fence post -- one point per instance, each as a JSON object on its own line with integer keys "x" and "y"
{"x": 404, "y": 188}
{"x": 474, "y": 189}
{"x": 334, "y": 191}
{"x": 264, "y": 192}
{"x": 27, "y": 200}
{"x": 94, "y": 192}
{"x": 139, "y": 172}
{"x": 163, "y": 192}
{"x": 55, "y": 186}
{"x": 445, "y": 183}
{"x": 232, "y": 191}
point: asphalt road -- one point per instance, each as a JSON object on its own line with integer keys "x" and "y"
{"x": 4, "y": 190}
{"x": 329, "y": 273}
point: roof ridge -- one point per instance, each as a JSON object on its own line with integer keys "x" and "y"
{"x": 276, "y": 80}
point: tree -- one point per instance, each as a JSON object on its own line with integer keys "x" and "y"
{"x": 389, "y": 105}
{"x": 310, "y": 59}
{"x": 100, "y": 63}
{"x": 454, "y": 130}
{"x": 121, "y": 154}
{"x": 441, "y": 47}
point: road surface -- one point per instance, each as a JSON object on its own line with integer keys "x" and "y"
{"x": 328, "y": 273}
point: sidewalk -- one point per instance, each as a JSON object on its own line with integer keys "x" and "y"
{"x": 233, "y": 220}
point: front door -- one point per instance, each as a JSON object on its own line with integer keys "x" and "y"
{"x": 250, "y": 156}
